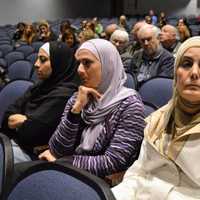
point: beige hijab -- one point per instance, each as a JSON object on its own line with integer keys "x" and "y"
{"x": 156, "y": 125}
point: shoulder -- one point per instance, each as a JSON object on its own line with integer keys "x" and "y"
{"x": 166, "y": 54}
{"x": 132, "y": 103}
{"x": 157, "y": 122}
{"x": 138, "y": 53}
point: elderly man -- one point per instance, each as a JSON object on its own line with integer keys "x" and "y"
{"x": 152, "y": 59}
{"x": 120, "y": 39}
{"x": 169, "y": 38}
{"x": 135, "y": 45}
{"x": 109, "y": 30}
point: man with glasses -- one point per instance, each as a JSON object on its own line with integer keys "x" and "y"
{"x": 152, "y": 59}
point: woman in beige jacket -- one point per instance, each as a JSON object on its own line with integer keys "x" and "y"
{"x": 168, "y": 167}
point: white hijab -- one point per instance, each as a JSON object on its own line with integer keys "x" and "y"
{"x": 111, "y": 86}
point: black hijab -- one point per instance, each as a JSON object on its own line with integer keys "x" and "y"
{"x": 64, "y": 69}
{"x": 63, "y": 81}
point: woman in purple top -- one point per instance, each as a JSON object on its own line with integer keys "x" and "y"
{"x": 102, "y": 125}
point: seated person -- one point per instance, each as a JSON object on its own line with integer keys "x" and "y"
{"x": 69, "y": 38}
{"x": 123, "y": 23}
{"x": 154, "y": 18}
{"x": 152, "y": 59}
{"x": 19, "y": 31}
{"x": 134, "y": 41}
{"x": 168, "y": 166}
{"x": 29, "y": 36}
{"x": 98, "y": 26}
{"x": 162, "y": 21}
{"x": 183, "y": 29}
{"x": 65, "y": 25}
{"x": 45, "y": 32}
{"x": 169, "y": 38}
{"x": 33, "y": 118}
{"x": 109, "y": 30}
{"x": 102, "y": 125}
{"x": 85, "y": 35}
{"x": 120, "y": 39}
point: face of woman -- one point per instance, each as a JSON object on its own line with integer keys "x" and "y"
{"x": 89, "y": 69}
{"x": 81, "y": 38}
{"x": 43, "y": 65}
{"x": 69, "y": 40}
{"x": 188, "y": 75}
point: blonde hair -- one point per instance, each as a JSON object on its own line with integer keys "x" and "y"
{"x": 43, "y": 23}
{"x": 88, "y": 34}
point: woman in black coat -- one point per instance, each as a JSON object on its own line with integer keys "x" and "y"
{"x": 32, "y": 119}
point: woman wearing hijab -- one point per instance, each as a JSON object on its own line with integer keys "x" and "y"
{"x": 168, "y": 166}
{"x": 102, "y": 125}
{"x": 33, "y": 118}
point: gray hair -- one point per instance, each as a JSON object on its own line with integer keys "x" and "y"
{"x": 120, "y": 34}
{"x": 155, "y": 29}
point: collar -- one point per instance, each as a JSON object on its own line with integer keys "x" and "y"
{"x": 156, "y": 56}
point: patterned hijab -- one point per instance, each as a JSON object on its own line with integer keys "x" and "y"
{"x": 111, "y": 86}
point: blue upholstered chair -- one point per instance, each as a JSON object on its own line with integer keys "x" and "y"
{"x": 6, "y": 165}
{"x": 157, "y": 91}
{"x": 13, "y": 56}
{"x": 21, "y": 69}
{"x": 11, "y": 92}
{"x": 52, "y": 181}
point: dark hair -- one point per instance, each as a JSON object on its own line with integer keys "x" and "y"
{"x": 66, "y": 34}
{"x": 65, "y": 25}
{"x": 20, "y": 24}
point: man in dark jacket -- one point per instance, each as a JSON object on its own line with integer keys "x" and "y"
{"x": 152, "y": 59}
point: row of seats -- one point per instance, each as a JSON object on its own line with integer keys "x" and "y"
{"x": 24, "y": 52}
{"x": 148, "y": 91}
{"x": 48, "y": 181}
{"x": 19, "y": 62}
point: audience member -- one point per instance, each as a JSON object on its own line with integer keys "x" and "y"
{"x": 169, "y": 38}
{"x": 98, "y": 26}
{"x": 19, "y": 31}
{"x": 162, "y": 20}
{"x": 183, "y": 29}
{"x": 120, "y": 39}
{"x": 109, "y": 30}
{"x": 135, "y": 45}
{"x": 152, "y": 59}
{"x": 32, "y": 119}
{"x": 102, "y": 126}
{"x": 168, "y": 166}
{"x": 45, "y": 32}
{"x": 65, "y": 25}
{"x": 69, "y": 38}
{"x": 123, "y": 23}
{"x": 83, "y": 24}
{"x": 148, "y": 19}
{"x": 85, "y": 35}
{"x": 29, "y": 36}
{"x": 153, "y": 17}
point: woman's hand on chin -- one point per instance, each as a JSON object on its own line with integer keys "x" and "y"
{"x": 83, "y": 98}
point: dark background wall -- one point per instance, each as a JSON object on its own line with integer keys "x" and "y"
{"x": 13, "y": 11}
{"x": 170, "y": 7}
